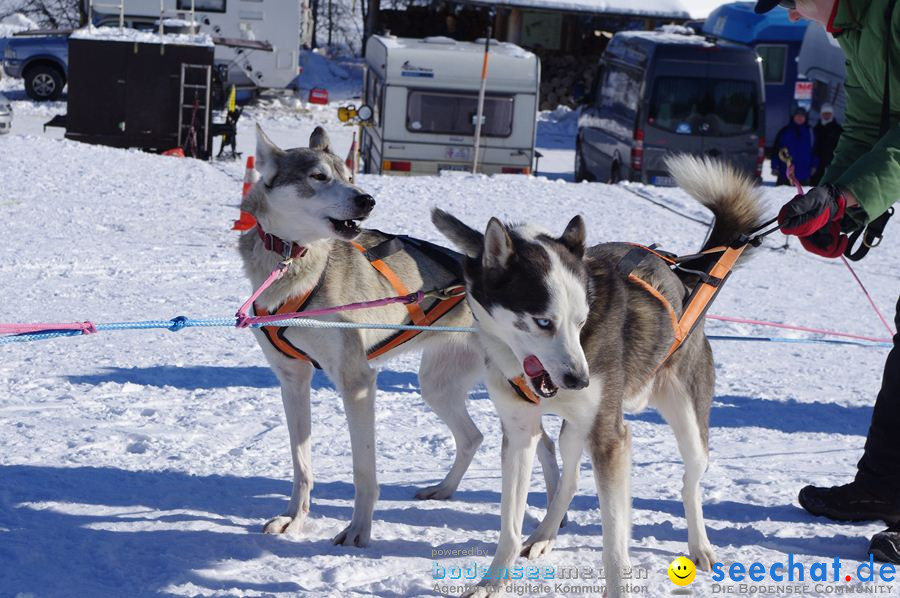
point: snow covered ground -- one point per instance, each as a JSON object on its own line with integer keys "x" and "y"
{"x": 145, "y": 463}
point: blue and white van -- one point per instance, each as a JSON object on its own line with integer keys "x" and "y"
{"x": 670, "y": 91}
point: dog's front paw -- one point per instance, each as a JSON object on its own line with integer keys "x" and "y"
{"x": 537, "y": 547}
{"x": 438, "y": 492}
{"x": 283, "y": 524}
{"x": 354, "y": 534}
{"x": 703, "y": 556}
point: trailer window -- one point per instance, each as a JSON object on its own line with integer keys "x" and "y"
{"x": 374, "y": 89}
{"x": 454, "y": 113}
{"x": 774, "y": 60}
{"x": 202, "y": 5}
{"x": 712, "y": 107}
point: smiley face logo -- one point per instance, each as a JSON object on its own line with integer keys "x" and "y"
{"x": 682, "y": 571}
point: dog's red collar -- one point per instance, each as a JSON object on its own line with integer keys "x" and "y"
{"x": 286, "y": 249}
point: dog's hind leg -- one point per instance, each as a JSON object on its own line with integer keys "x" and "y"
{"x": 357, "y": 388}
{"x": 611, "y": 456}
{"x": 546, "y": 454}
{"x": 675, "y": 404}
{"x": 446, "y": 376}
{"x": 571, "y": 445}
{"x": 295, "y": 379}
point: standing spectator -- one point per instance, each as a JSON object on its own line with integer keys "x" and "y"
{"x": 797, "y": 138}
{"x": 826, "y": 134}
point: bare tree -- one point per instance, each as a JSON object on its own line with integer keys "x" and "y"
{"x": 55, "y": 14}
{"x": 344, "y": 28}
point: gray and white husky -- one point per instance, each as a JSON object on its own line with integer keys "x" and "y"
{"x": 305, "y": 199}
{"x": 590, "y": 341}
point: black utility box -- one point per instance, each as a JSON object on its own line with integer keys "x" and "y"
{"x": 126, "y": 93}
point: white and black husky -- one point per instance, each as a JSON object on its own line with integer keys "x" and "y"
{"x": 591, "y": 343}
{"x": 307, "y": 207}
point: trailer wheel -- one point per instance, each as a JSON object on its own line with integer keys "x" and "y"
{"x": 44, "y": 83}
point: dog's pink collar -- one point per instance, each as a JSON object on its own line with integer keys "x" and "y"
{"x": 286, "y": 249}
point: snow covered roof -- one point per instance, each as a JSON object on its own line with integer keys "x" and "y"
{"x": 450, "y": 64}
{"x": 668, "y": 36}
{"x": 442, "y": 44}
{"x": 117, "y": 34}
{"x": 675, "y": 9}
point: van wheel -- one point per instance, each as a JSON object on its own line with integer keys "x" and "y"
{"x": 581, "y": 173}
{"x": 44, "y": 83}
{"x": 615, "y": 174}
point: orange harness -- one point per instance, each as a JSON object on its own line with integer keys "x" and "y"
{"x": 696, "y": 304}
{"x": 276, "y": 334}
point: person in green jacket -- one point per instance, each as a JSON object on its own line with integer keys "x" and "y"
{"x": 859, "y": 186}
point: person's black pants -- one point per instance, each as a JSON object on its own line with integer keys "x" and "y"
{"x": 879, "y": 468}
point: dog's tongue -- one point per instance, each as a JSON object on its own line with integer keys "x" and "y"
{"x": 533, "y": 366}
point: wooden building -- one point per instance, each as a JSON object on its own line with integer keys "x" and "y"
{"x": 567, "y": 35}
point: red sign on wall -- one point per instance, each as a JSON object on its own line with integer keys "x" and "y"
{"x": 803, "y": 90}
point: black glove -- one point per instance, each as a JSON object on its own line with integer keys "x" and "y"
{"x": 812, "y": 211}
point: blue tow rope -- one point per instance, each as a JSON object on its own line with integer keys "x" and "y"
{"x": 179, "y": 323}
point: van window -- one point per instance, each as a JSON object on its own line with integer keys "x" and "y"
{"x": 694, "y": 106}
{"x": 202, "y": 5}
{"x": 774, "y": 60}
{"x": 454, "y": 113}
{"x": 620, "y": 92}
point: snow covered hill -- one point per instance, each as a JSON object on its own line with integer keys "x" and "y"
{"x": 145, "y": 463}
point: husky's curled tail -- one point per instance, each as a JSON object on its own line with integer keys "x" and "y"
{"x": 732, "y": 197}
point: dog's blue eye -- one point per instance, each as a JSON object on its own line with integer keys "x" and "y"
{"x": 543, "y": 323}
{"x": 319, "y": 176}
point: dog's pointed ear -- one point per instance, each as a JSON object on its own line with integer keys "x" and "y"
{"x": 267, "y": 154}
{"x": 467, "y": 239}
{"x": 498, "y": 246}
{"x": 574, "y": 236}
{"x": 319, "y": 140}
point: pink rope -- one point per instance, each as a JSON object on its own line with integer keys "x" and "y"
{"x": 84, "y": 327}
{"x": 891, "y": 332}
{"x": 405, "y": 299}
{"x": 244, "y": 320}
{"x": 793, "y": 179}
{"x": 865, "y": 291}
{"x": 800, "y": 328}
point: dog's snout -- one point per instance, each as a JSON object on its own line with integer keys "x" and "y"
{"x": 575, "y": 381}
{"x": 365, "y": 202}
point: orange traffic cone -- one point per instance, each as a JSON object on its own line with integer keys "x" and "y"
{"x": 351, "y": 157}
{"x": 246, "y": 221}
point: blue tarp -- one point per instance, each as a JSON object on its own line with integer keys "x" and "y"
{"x": 737, "y": 22}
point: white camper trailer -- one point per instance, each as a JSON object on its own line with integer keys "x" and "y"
{"x": 272, "y": 32}
{"x": 424, "y": 94}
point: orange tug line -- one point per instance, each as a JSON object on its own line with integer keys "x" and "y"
{"x": 275, "y": 334}
{"x": 681, "y": 328}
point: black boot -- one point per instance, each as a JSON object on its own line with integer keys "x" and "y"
{"x": 885, "y": 546}
{"x": 850, "y": 502}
